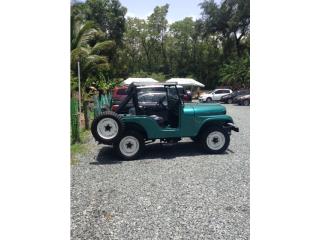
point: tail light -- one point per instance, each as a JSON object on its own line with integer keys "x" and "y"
{"x": 114, "y": 108}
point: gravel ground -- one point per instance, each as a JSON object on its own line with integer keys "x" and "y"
{"x": 172, "y": 192}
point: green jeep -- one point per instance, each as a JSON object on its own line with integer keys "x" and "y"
{"x": 169, "y": 120}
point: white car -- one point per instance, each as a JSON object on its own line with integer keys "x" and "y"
{"x": 214, "y": 95}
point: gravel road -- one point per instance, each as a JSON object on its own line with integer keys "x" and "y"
{"x": 172, "y": 192}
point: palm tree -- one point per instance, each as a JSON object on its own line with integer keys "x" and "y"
{"x": 88, "y": 46}
{"x": 90, "y": 49}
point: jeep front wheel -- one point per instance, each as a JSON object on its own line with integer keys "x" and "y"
{"x": 130, "y": 145}
{"x": 209, "y": 99}
{"x": 215, "y": 139}
{"x": 107, "y": 127}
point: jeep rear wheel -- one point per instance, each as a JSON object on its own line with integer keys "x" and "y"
{"x": 107, "y": 127}
{"x": 130, "y": 145}
{"x": 229, "y": 101}
{"x": 215, "y": 139}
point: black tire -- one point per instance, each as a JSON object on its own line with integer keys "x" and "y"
{"x": 221, "y": 135}
{"x": 246, "y": 103}
{"x": 116, "y": 124}
{"x": 209, "y": 99}
{"x": 229, "y": 100}
{"x": 137, "y": 143}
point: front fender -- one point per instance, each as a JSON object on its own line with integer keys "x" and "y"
{"x": 216, "y": 120}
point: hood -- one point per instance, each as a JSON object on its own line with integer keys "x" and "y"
{"x": 207, "y": 109}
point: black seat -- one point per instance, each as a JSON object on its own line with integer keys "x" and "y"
{"x": 158, "y": 119}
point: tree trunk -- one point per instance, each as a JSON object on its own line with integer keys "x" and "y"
{"x": 147, "y": 54}
{"x": 237, "y": 40}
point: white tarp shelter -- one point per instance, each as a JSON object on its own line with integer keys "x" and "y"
{"x": 186, "y": 82}
{"x": 139, "y": 80}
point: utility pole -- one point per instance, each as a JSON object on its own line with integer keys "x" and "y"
{"x": 79, "y": 92}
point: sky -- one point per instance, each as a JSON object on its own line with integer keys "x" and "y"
{"x": 178, "y": 9}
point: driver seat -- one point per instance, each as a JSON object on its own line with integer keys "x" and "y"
{"x": 158, "y": 119}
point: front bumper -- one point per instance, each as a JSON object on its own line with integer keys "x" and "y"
{"x": 230, "y": 126}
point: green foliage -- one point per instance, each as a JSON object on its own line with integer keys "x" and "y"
{"x": 231, "y": 20}
{"x": 236, "y": 73}
{"x": 82, "y": 34}
{"x": 108, "y": 85}
{"x": 157, "y": 76}
{"x": 109, "y": 15}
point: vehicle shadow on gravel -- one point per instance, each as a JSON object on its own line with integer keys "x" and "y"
{"x": 154, "y": 151}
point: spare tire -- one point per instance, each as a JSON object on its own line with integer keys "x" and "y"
{"x": 107, "y": 127}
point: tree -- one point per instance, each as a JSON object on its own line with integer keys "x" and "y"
{"x": 182, "y": 47}
{"x": 157, "y": 25}
{"x": 82, "y": 33}
{"x": 231, "y": 19}
{"x": 94, "y": 65}
{"x": 236, "y": 73}
{"x": 110, "y": 16}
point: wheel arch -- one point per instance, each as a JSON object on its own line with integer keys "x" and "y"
{"x": 136, "y": 127}
{"x": 214, "y": 122}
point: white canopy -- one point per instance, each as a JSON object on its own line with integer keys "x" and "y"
{"x": 186, "y": 82}
{"x": 139, "y": 80}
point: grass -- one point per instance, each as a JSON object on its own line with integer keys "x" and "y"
{"x": 80, "y": 148}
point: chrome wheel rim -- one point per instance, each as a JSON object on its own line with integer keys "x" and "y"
{"x": 107, "y": 128}
{"x": 129, "y": 146}
{"x": 216, "y": 140}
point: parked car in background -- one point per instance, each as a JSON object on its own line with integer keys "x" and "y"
{"x": 118, "y": 94}
{"x": 186, "y": 95}
{"x": 237, "y": 98}
{"x": 244, "y": 100}
{"x": 230, "y": 97}
{"x": 214, "y": 95}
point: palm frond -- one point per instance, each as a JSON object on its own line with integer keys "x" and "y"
{"x": 85, "y": 33}
{"x": 78, "y": 55}
{"x": 103, "y": 47}
{"x": 92, "y": 62}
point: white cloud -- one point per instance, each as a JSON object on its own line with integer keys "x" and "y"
{"x": 195, "y": 17}
{"x": 145, "y": 16}
{"x": 130, "y": 14}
